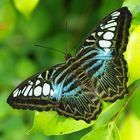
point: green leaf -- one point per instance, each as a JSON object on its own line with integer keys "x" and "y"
{"x": 134, "y": 7}
{"x": 133, "y": 55}
{"x": 130, "y": 129}
{"x": 103, "y": 128}
{"x": 133, "y": 49}
{"x": 134, "y": 104}
{"x": 26, "y": 6}
{"x": 115, "y": 108}
{"x": 58, "y": 125}
{"x": 106, "y": 132}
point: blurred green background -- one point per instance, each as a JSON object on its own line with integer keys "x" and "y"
{"x": 59, "y": 24}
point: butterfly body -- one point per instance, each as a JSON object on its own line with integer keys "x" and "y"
{"x": 75, "y": 88}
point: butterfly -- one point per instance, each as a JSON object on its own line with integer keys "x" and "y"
{"x": 77, "y": 87}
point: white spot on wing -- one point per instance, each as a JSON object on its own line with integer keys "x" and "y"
{"x": 93, "y": 34}
{"x": 112, "y": 29}
{"x": 19, "y": 92}
{"x": 37, "y": 82}
{"x": 106, "y": 50}
{"x": 115, "y": 13}
{"x": 15, "y": 93}
{"x": 100, "y": 33}
{"x": 27, "y": 90}
{"x": 104, "y": 43}
{"x": 111, "y": 21}
{"x": 37, "y": 91}
{"x": 39, "y": 76}
{"x": 87, "y": 40}
{"x": 31, "y": 92}
{"x": 30, "y": 82}
{"x": 23, "y": 89}
{"x": 101, "y": 25}
{"x": 108, "y": 35}
{"x": 114, "y": 17}
{"x": 46, "y": 89}
{"x": 85, "y": 47}
{"x": 51, "y": 93}
{"x": 47, "y": 72}
{"x": 110, "y": 24}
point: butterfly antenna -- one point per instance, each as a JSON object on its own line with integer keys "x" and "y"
{"x": 66, "y": 38}
{"x": 51, "y": 49}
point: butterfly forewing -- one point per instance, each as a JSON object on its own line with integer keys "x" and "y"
{"x": 76, "y": 87}
{"x": 111, "y": 33}
{"x": 101, "y": 56}
{"x": 35, "y": 93}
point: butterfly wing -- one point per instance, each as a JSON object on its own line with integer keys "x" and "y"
{"x": 57, "y": 89}
{"x": 34, "y": 93}
{"x": 112, "y": 32}
{"x": 77, "y": 100}
{"x": 101, "y": 56}
{"x": 74, "y": 88}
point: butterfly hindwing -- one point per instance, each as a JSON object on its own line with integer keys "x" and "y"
{"x": 77, "y": 100}
{"x": 75, "y": 88}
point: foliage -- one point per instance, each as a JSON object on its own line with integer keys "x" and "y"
{"x": 26, "y": 23}
{"x": 26, "y": 7}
